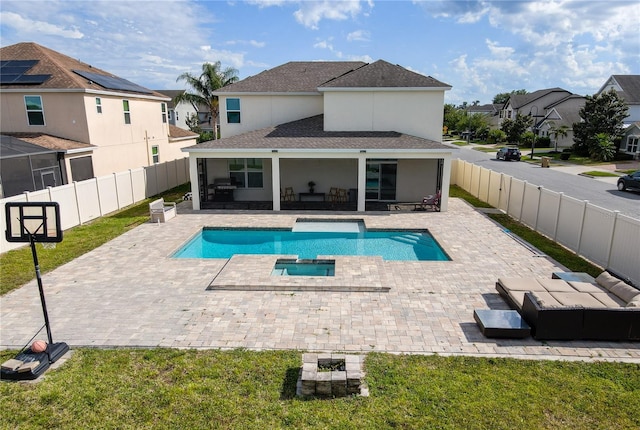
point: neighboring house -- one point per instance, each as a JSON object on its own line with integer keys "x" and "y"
{"x": 628, "y": 88}
{"x": 491, "y": 111}
{"x": 373, "y": 129}
{"x": 561, "y": 115}
{"x": 179, "y": 113}
{"x": 117, "y": 124}
{"x": 534, "y": 104}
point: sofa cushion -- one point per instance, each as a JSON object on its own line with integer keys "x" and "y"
{"x": 587, "y": 287}
{"x": 625, "y": 291}
{"x": 606, "y": 280}
{"x": 609, "y": 300}
{"x": 545, "y": 300}
{"x": 577, "y": 299}
{"x": 635, "y": 303}
{"x": 556, "y": 285}
{"x": 517, "y": 297}
{"x": 521, "y": 284}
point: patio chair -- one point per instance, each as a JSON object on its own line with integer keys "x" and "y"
{"x": 289, "y": 195}
{"x": 342, "y": 195}
{"x": 432, "y": 202}
{"x": 333, "y": 194}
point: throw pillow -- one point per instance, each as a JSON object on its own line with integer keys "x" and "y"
{"x": 625, "y": 292}
{"x": 607, "y": 280}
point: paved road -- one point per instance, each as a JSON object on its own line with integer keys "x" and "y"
{"x": 600, "y": 192}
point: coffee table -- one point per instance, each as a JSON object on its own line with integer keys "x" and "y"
{"x": 503, "y": 324}
{"x": 573, "y": 277}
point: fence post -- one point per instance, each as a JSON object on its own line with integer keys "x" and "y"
{"x": 115, "y": 183}
{"x": 509, "y": 196}
{"x": 99, "y": 198}
{"x": 77, "y": 199}
{"x": 613, "y": 232}
{"x": 524, "y": 195}
{"x": 584, "y": 212}
{"x": 555, "y": 227}
{"x": 538, "y": 207}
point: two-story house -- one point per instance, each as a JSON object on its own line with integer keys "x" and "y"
{"x": 628, "y": 88}
{"x": 179, "y": 112}
{"x": 96, "y": 122}
{"x": 558, "y": 121}
{"x": 301, "y": 130}
{"x": 534, "y": 104}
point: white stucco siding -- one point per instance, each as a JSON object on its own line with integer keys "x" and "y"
{"x": 64, "y": 114}
{"x": 418, "y": 113}
{"x": 338, "y": 173}
{"x": 259, "y": 111}
{"x": 416, "y": 179}
{"x": 128, "y": 146}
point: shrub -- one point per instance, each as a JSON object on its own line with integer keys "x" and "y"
{"x": 543, "y": 142}
{"x": 496, "y": 136}
{"x": 565, "y": 155}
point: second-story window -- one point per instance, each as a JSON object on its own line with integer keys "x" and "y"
{"x": 164, "y": 113}
{"x": 35, "y": 111}
{"x": 127, "y": 112}
{"x": 233, "y": 111}
{"x": 98, "y": 105}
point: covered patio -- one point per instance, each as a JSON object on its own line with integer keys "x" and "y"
{"x": 299, "y": 166}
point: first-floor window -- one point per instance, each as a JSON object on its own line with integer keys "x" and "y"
{"x": 35, "y": 111}
{"x": 632, "y": 144}
{"x": 246, "y": 172}
{"x": 155, "y": 153}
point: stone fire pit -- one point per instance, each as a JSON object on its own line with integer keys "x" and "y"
{"x": 331, "y": 375}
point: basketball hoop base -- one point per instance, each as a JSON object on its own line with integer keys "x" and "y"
{"x": 46, "y": 359}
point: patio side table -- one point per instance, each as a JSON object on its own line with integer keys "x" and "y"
{"x": 503, "y": 324}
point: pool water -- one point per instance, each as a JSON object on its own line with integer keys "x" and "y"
{"x": 390, "y": 245}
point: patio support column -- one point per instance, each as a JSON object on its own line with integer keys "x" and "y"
{"x": 195, "y": 183}
{"x": 446, "y": 183}
{"x": 362, "y": 181}
{"x": 275, "y": 181}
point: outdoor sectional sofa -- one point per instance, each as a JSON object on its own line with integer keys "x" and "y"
{"x": 605, "y": 309}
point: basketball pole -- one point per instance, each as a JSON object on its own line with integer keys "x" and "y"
{"x": 40, "y": 288}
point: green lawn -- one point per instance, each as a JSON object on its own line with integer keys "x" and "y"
{"x": 600, "y": 174}
{"x": 239, "y": 389}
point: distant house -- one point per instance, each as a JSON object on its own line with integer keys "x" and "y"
{"x": 373, "y": 130}
{"x": 561, "y": 115}
{"x": 96, "y": 122}
{"x": 491, "y": 111}
{"x": 183, "y": 110}
{"x": 534, "y": 104}
{"x": 628, "y": 88}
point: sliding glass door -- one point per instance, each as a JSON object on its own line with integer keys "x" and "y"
{"x": 381, "y": 180}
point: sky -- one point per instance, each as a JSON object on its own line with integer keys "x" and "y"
{"x": 480, "y": 48}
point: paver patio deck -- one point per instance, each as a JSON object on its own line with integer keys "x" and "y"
{"x": 130, "y": 293}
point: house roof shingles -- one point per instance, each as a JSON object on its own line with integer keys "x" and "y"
{"x": 630, "y": 85}
{"x": 59, "y": 66}
{"x": 382, "y": 74}
{"x": 308, "y": 134}
{"x": 45, "y": 141}
{"x": 519, "y": 100}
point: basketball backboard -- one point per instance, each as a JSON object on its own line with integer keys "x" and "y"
{"x": 40, "y": 220}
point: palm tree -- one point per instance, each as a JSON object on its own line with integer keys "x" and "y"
{"x": 203, "y": 87}
{"x": 558, "y": 132}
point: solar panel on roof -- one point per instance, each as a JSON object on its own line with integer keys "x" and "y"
{"x": 112, "y": 82}
{"x": 14, "y": 72}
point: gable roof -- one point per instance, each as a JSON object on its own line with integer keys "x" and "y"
{"x": 177, "y": 133}
{"x": 61, "y": 70}
{"x": 308, "y": 134}
{"x": 382, "y": 74}
{"x": 519, "y": 100}
{"x": 293, "y": 77}
{"x": 630, "y": 86}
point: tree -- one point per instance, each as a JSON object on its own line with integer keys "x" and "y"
{"x": 496, "y": 136}
{"x": 558, "y": 132}
{"x": 193, "y": 122}
{"x": 451, "y": 117}
{"x": 213, "y": 77}
{"x": 514, "y": 128}
{"x": 603, "y": 149}
{"x": 501, "y": 98}
{"x": 602, "y": 113}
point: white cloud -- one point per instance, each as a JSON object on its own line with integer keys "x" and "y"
{"x": 30, "y": 26}
{"x": 359, "y": 35}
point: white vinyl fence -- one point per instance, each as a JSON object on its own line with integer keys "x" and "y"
{"x": 84, "y": 201}
{"x": 607, "y": 238}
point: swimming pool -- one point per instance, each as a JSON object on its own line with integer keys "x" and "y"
{"x": 402, "y": 245}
